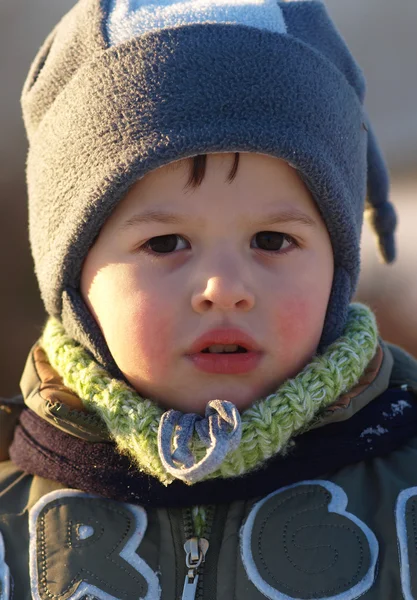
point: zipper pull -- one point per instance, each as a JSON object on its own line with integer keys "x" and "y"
{"x": 195, "y": 553}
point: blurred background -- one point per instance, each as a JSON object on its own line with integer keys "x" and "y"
{"x": 382, "y": 36}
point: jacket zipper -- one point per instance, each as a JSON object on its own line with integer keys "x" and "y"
{"x": 195, "y": 553}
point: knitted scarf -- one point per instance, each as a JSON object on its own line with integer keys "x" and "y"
{"x": 266, "y": 428}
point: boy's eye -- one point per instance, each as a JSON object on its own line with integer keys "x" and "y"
{"x": 272, "y": 241}
{"x": 163, "y": 244}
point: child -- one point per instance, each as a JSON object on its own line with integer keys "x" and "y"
{"x": 206, "y": 415}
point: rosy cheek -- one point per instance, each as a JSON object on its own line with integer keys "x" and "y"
{"x": 287, "y": 320}
{"x": 153, "y": 330}
{"x": 297, "y": 329}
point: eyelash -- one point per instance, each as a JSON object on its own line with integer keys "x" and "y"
{"x": 286, "y": 238}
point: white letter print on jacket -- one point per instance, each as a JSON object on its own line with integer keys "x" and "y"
{"x": 82, "y": 544}
{"x": 319, "y": 549}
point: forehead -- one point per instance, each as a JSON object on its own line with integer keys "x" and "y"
{"x": 258, "y": 170}
{"x": 259, "y": 183}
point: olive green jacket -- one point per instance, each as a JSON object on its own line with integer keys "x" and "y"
{"x": 348, "y": 534}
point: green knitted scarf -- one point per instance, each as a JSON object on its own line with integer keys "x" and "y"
{"x": 267, "y": 426}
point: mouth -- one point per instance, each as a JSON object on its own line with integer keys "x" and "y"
{"x": 224, "y": 349}
{"x": 225, "y": 352}
{"x": 230, "y": 340}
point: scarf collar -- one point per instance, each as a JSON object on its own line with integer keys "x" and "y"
{"x": 246, "y": 441}
{"x": 382, "y": 426}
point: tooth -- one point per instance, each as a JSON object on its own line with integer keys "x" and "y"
{"x": 231, "y": 348}
{"x": 216, "y": 348}
{"x": 221, "y": 348}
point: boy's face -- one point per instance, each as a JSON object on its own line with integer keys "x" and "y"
{"x": 252, "y": 254}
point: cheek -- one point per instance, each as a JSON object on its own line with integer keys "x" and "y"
{"x": 137, "y": 321}
{"x": 302, "y": 301}
{"x": 298, "y": 317}
{"x": 153, "y": 332}
{"x": 295, "y": 320}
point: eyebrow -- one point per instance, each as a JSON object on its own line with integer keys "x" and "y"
{"x": 290, "y": 215}
{"x": 152, "y": 216}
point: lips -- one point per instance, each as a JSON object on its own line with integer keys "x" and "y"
{"x": 226, "y": 363}
{"x": 224, "y": 337}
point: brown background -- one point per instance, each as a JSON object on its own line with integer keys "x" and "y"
{"x": 382, "y": 36}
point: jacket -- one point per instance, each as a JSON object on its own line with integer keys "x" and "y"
{"x": 335, "y": 518}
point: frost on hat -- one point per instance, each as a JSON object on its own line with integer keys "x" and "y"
{"x": 122, "y": 87}
{"x": 129, "y": 19}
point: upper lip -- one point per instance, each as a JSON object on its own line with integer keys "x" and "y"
{"x": 225, "y": 336}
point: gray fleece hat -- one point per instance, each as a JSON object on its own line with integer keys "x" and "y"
{"x": 121, "y": 87}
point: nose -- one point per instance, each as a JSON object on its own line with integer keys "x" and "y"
{"x": 224, "y": 289}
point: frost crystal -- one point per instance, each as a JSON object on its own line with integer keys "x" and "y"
{"x": 378, "y": 430}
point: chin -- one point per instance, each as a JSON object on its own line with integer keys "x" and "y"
{"x": 242, "y": 396}
{"x": 242, "y": 401}
{"x": 198, "y": 406}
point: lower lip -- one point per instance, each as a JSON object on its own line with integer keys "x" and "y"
{"x": 226, "y": 364}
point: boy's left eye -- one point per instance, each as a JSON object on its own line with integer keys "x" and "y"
{"x": 273, "y": 241}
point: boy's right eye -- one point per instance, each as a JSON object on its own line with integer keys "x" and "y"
{"x": 163, "y": 244}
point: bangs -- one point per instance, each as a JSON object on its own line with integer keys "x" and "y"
{"x": 198, "y": 170}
